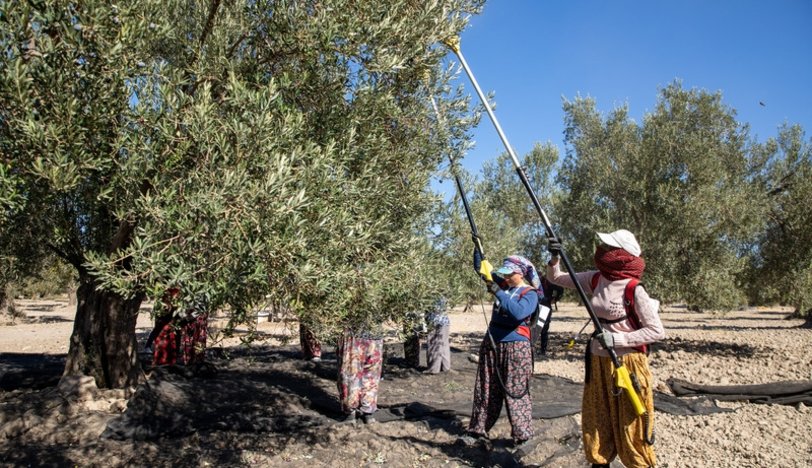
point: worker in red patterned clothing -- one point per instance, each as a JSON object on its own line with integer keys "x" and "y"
{"x": 360, "y": 362}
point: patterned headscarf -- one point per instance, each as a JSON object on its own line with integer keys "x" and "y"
{"x": 519, "y": 264}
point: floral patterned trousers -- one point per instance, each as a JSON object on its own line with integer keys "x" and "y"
{"x": 515, "y": 364}
{"x": 609, "y": 424}
{"x": 360, "y": 362}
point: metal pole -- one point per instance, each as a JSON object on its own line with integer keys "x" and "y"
{"x": 468, "y": 213}
{"x": 486, "y": 268}
{"x": 455, "y": 46}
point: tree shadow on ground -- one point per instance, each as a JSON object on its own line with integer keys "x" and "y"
{"x": 498, "y": 456}
{"x": 779, "y": 314}
{"x": 250, "y": 394}
{"x": 42, "y": 308}
{"x": 37, "y": 455}
{"x": 260, "y": 400}
{"x": 706, "y": 348}
{"x": 41, "y": 319}
{"x": 30, "y": 370}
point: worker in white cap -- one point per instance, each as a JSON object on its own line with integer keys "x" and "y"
{"x": 630, "y": 320}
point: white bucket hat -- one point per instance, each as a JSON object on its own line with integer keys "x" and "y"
{"x": 622, "y": 239}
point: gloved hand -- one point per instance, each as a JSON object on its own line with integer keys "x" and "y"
{"x": 606, "y": 339}
{"x": 481, "y": 266}
{"x": 553, "y": 246}
{"x": 493, "y": 288}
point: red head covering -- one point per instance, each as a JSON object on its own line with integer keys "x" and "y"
{"x": 615, "y": 263}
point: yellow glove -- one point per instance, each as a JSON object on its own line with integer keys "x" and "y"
{"x": 485, "y": 271}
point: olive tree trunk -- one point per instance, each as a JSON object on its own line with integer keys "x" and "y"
{"x": 103, "y": 343}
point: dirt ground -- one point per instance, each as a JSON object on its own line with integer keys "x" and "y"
{"x": 265, "y": 406}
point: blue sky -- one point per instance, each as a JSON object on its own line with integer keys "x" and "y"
{"x": 533, "y": 53}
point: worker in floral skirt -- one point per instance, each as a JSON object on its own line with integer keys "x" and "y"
{"x": 360, "y": 361}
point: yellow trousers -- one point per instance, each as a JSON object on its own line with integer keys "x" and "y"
{"x": 609, "y": 424}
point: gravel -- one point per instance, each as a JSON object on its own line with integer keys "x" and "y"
{"x": 753, "y": 346}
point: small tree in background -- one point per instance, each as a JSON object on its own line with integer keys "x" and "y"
{"x": 503, "y": 191}
{"x": 54, "y": 279}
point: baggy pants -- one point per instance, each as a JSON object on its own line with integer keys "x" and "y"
{"x": 609, "y": 424}
{"x": 438, "y": 351}
{"x": 359, "y": 372}
{"x": 515, "y": 363}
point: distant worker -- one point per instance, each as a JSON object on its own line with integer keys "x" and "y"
{"x": 163, "y": 314}
{"x": 310, "y": 344}
{"x": 552, "y": 293}
{"x": 438, "y": 349}
{"x": 630, "y": 320}
{"x": 178, "y": 338}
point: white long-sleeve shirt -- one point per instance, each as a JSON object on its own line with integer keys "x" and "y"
{"x": 607, "y": 302}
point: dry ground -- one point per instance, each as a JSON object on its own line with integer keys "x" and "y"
{"x": 293, "y": 425}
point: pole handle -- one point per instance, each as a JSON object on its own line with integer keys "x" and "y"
{"x": 485, "y": 270}
{"x": 624, "y": 380}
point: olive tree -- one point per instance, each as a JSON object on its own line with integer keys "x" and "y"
{"x": 504, "y": 192}
{"x": 782, "y": 254}
{"x": 234, "y": 149}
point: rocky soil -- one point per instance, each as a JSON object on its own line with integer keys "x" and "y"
{"x": 265, "y": 406}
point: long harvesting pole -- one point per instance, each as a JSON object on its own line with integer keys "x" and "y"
{"x": 486, "y": 268}
{"x": 623, "y": 379}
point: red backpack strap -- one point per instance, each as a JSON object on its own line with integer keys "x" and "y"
{"x": 631, "y": 313}
{"x": 595, "y": 278}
